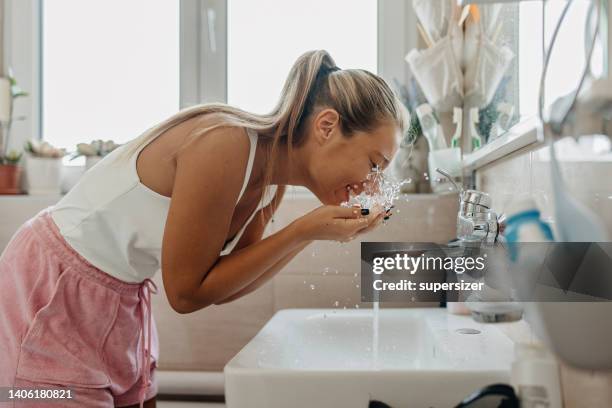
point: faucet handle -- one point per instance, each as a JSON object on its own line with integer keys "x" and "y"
{"x": 501, "y": 223}
{"x": 450, "y": 178}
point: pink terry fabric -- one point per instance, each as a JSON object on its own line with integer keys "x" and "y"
{"x": 66, "y": 323}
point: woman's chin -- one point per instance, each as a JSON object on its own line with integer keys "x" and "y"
{"x": 336, "y": 197}
{"x": 340, "y": 196}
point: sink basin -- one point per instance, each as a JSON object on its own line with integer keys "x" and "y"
{"x": 332, "y": 358}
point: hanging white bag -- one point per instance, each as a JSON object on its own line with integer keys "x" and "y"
{"x": 437, "y": 68}
{"x": 435, "y": 16}
{"x": 485, "y": 62}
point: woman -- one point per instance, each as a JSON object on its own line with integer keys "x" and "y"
{"x": 75, "y": 279}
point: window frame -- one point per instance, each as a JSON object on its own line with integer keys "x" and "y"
{"x": 203, "y": 76}
{"x": 528, "y": 132}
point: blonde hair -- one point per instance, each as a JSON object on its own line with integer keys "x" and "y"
{"x": 363, "y": 101}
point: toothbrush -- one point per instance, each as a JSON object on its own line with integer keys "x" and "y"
{"x": 431, "y": 128}
{"x": 474, "y": 135}
{"x": 458, "y": 120}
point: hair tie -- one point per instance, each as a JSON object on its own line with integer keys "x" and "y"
{"x": 325, "y": 70}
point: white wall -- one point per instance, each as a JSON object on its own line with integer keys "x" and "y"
{"x": 21, "y": 52}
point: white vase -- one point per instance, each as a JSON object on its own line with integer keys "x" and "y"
{"x": 90, "y": 161}
{"x": 43, "y": 175}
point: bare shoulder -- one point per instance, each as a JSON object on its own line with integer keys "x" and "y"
{"x": 225, "y": 149}
{"x": 209, "y": 177}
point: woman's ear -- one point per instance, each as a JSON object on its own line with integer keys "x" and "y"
{"x": 325, "y": 123}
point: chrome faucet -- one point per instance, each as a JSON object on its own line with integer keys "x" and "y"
{"x": 476, "y": 221}
{"x": 478, "y": 225}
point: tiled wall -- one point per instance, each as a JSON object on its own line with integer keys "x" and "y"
{"x": 588, "y": 177}
{"x": 321, "y": 275}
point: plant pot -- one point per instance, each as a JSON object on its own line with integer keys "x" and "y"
{"x": 10, "y": 179}
{"x": 43, "y": 175}
{"x": 90, "y": 161}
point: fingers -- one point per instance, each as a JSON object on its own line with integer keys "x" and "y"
{"x": 353, "y": 221}
{"x": 355, "y": 225}
{"x": 346, "y": 212}
{"x": 377, "y": 221}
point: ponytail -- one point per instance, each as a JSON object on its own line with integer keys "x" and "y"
{"x": 361, "y": 98}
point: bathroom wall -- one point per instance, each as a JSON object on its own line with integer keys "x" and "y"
{"x": 2, "y": 36}
{"x": 323, "y": 274}
{"x": 587, "y": 170}
{"x": 320, "y": 276}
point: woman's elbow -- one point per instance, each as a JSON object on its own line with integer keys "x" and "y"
{"x": 185, "y": 304}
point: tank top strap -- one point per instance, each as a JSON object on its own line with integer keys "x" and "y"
{"x": 249, "y": 169}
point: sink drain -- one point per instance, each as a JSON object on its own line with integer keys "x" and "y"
{"x": 467, "y": 331}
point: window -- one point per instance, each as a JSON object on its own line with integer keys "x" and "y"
{"x": 568, "y": 58}
{"x": 110, "y": 68}
{"x": 265, "y": 37}
{"x": 527, "y": 30}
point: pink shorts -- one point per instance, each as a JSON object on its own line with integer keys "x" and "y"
{"x": 66, "y": 324}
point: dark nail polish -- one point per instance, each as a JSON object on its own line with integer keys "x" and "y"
{"x": 386, "y": 218}
{"x": 365, "y": 211}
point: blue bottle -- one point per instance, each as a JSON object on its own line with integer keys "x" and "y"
{"x": 525, "y": 225}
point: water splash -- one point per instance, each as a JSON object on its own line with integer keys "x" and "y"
{"x": 379, "y": 190}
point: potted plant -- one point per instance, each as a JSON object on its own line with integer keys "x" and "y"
{"x": 10, "y": 171}
{"x": 94, "y": 151}
{"x": 43, "y": 167}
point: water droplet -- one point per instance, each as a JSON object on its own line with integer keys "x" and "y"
{"x": 336, "y": 303}
{"x": 329, "y": 270}
{"x": 356, "y": 306}
{"x": 357, "y": 285}
{"x": 312, "y": 287}
{"x": 356, "y": 273}
{"x": 379, "y": 190}
{"x": 304, "y": 282}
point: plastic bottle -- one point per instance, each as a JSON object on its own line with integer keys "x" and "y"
{"x": 535, "y": 376}
{"x": 524, "y": 225}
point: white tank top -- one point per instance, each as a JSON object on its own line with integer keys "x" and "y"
{"x": 117, "y": 223}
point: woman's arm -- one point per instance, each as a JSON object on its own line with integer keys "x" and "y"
{"x": 266, "y": 276}
{"x": 208, "y": 179}
{"x": 252, "y": 234}
{"x": 207, "y": 182}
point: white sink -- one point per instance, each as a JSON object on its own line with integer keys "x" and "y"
{"x": 325, "y": 358}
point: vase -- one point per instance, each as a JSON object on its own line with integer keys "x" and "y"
{"x": 43, "y": 175}
{"x": 10, "y": 179}
{"x": 91, "y": 161}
